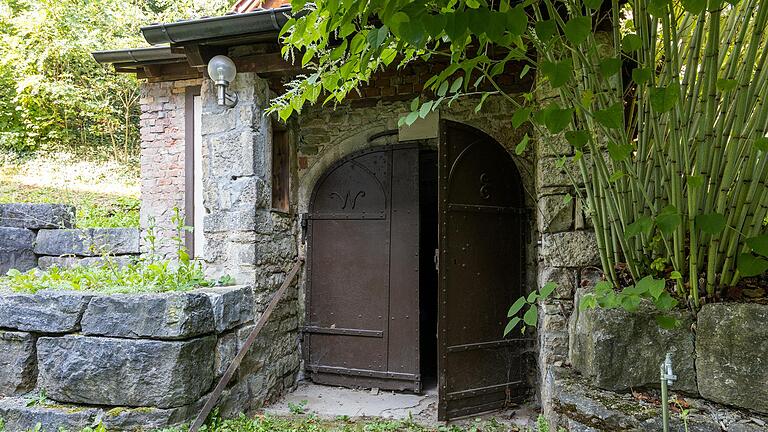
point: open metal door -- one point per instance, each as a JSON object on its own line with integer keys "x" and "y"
{"x": 482, "y": 225}
{"x": 362, "y": 323}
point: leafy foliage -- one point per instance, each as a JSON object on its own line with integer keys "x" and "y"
{"x": 531, "y": 316}
{"x": 53, "y": 95}
{"x": 148, "y": 273}
{"x": 682, "y": 188}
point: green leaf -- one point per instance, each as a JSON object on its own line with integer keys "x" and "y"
{"x": 521, "y": 116}
{"x": 558, "y": 73}
{"x": 712, "y": 223}
{"x": 637, "y": 289}
{"x": 694, "y": 6}
{"x": 761, "y": 144}
{"x": 611, "y": 117}
{"x": 517, "y": 21}
{"x": 618, "y": 174}
{"x": 522, "y": 145}
{"x": 750, "y": 265}
{"x": 653, "y": 286}
{"x": 443, "y": 89}
{"x": 759, "y": 244}
{"x": 426, "y": 109}
{"x": 415, "y": 104}
{"x": 667, "y": 322}
{"x": 545, "y": 30}
{"x": 557, "y": 119}
{"x": 726, "y": 85}
{"x": 658, "y": 8}
{"x": 641, "y": 75}
{"x": 665, "y": 302}
{"x": 610, "y": 67}
{"x": 643, "y": 225}
{"x": 619, "y": 152}
{"x": 411, "y": 118}
{"x": 567, "y": 198}
{"x": 531, "y": 316}
{"x": 456, "y": 26}
{"x": 397, "y": 21}
{"x": 577, "y": 30}
{"x": 577, "y": 139}
{"x": 631, "y": 303}
{"x": 516, "y": 307}
{"x": 675, "y": 275}
{"x": 532, "y": 297}
{"x": 456, "y": 84}
{"x": 511, "y": 325}
{"x": 588, "y": 301}
{"x": 668, "y": 220}
{"x": 663, "y": 99}
{"x": 434, "y": 24}
{"x": 593, "y": 4}
{"x": 603, "y": 287}
{"x": 631, "y": 42}
{"x": 547, "y": 289}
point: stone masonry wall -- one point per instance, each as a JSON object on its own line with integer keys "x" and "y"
{"x": 131, "y": 362}
{"x": 42, "y": 235}
{"x": 162, "y": 154}
{"x": 244, "y": 237}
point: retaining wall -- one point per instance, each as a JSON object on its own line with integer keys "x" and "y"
{"x": 136, "y": 362}
{"x": 718, "y": 357}
{"x": 42, "y": 235}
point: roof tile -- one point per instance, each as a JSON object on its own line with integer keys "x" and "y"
{"x": 243, "y": 6}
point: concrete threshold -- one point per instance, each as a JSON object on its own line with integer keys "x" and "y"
{"x": 332, "y": 402}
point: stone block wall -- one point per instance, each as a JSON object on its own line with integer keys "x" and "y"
{"x": 132, "y": 362}
{"x": 162, "y": 153}
{"x": 614, "y": 353}
{"x": 42, "y": 235}
{"x": 244, "y": 237}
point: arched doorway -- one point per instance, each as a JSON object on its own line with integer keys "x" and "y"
{"x": 379, "y": 313}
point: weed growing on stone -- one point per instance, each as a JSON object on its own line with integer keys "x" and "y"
{"x": 149, "y": 273}
{"x": 298, "y": 408}
{"x": 39, "y": 399}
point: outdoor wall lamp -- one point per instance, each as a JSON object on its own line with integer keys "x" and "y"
{"x": 222, "y": 71}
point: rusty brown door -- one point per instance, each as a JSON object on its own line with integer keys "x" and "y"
{"x": 362, "y": 318}
{"x": 482, "y": 226}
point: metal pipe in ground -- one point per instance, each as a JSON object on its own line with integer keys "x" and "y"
{"x": 667, "y": 379}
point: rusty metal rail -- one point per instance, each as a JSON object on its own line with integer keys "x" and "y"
{"x": 246, "y": 346}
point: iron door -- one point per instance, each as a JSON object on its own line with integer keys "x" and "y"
{"x": 363, "y": 299}
{"x": 482, "y": 226}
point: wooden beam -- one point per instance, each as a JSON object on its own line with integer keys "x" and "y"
{"x": 266, "y": 63}
{"x": 199, "y": 55}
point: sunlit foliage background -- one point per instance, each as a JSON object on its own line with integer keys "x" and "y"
{"x": 53, "y": 95}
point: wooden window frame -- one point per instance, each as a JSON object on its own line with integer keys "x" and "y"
{"x": 189, "y": 166}
{"x": 280, "y": 169}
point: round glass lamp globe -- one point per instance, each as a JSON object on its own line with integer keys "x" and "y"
{"x": 222, "y": 68}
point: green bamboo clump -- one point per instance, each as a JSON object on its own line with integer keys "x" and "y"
{"x": 685, "y": 184}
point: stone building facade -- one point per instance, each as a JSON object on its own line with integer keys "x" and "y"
{"x": 256, "y": 245}
{"x": 242, "y": 232}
